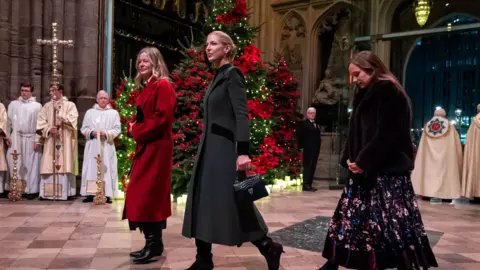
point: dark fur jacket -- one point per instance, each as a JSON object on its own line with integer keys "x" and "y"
{"x": 379, "y": 139}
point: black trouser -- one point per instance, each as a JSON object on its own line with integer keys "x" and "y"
{"x": 310, "y": 160}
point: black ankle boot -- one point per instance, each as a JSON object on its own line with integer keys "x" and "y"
{"x": 153, "y": 247}
{"x": 271, "y": 251}
{"x": 204, "y": 258}
{"x": 152, "y": 233}
{"x": 329, "y": 266}
{"x": 202, "y": 262}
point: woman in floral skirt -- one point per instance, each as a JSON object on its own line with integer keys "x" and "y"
{"x": 377, "y": 224}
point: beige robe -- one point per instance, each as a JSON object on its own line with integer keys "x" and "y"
{"x": 67, "y": 141}
{"x": 471, "y": 161}
{"x": 3, "y": 132}
{"x": 438, "y": 163}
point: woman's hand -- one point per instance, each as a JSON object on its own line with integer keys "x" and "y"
{"x": 130, "y": 127}
{"x": 243, "y": 162}
{"x": 353, "y": 167}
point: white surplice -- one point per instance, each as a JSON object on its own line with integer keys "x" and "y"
{"x": 25, "y": 113}
{"x": 108, "y": 121}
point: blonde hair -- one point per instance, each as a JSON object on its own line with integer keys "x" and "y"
{"x": 226, "y": 40}
{"x": 159, "y": 68}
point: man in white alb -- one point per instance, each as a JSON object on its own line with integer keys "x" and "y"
{"x": 101, "y": 126}
{"x": 22, "y": 122}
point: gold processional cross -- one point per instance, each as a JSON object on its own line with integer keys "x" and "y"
{"x": 55, "y": 81}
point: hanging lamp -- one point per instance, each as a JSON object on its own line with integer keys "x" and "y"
{"x": 422, "y": 11}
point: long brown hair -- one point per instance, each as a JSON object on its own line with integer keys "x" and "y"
{"x": 159, "y": 68}
{"x": 371, "y": 63}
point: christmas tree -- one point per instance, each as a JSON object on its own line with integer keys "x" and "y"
{"x": 124, "y": 103}
{"x": 271, "y": 102}
{"x": 285, "y": 99}
{"x": 192, "y": 78}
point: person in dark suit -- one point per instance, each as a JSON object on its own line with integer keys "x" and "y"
{"x": 308, "y": 134}
{"x": 211, "y": 214}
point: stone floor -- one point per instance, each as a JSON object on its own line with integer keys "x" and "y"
{"x": 74, "y": 235}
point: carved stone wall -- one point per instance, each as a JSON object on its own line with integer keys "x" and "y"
{"x": 22, "y": 60}
{"x": 292, "y": 44}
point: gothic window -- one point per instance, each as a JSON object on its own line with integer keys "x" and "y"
{"x": 442, "y": 71}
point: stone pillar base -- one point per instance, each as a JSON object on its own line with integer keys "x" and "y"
{"x": 329, "y": 157}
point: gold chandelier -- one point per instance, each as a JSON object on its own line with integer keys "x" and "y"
{"x": 422, "y": 11}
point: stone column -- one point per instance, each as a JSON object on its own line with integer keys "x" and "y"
{"x": 86, "y": 64}
{"x": 86, "y": 51}
{"x": 5, "y": 11}
{"x": 36, "y": 31}
{"x": 69, "y": 54}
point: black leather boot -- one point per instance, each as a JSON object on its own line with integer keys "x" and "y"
{"x": 153, "y": 246}
{"x": 204, "y": 258}
{"x": 271, "y": 251}
{"x": 143, "y": 228}
{"x": 329, "y": 266}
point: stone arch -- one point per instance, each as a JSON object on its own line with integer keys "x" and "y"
{"x": 314, "y": 59}
{"x": 386, "y": 11}
{"x": 433, "y": 25}
{"x": 292, "y": 42}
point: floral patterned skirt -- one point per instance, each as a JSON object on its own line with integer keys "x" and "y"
{"x": 379, "y": 228}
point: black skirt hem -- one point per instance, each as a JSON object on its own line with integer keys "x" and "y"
{"x": 133, "y": 225}
{"x": 421, "y": 257}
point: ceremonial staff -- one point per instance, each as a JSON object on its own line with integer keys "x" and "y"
{"x": 54, "y": 42}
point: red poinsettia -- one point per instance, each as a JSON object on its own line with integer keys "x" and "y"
{"x": 238, "y": 13}
{"x": 250, "y": 60}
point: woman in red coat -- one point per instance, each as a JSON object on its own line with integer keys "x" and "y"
{"x": 147, "y": 202}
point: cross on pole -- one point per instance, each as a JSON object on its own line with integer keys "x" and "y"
{"x": 54, "y": 81}
{"x": 55, "y": 42}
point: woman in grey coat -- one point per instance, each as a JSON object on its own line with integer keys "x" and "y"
{"x": 211, "y": 215}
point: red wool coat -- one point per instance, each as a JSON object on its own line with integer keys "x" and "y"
{"x": 148, "y": 194}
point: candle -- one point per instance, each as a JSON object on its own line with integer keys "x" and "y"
{"x": 99, "y": 143}
{"x": 14, "y": 137}
{"x": 130, "y": 68}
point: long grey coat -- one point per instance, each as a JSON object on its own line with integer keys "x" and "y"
{"x": 211, "y": 214}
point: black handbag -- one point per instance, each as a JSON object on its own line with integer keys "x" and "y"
{"x": 249, "y": 188}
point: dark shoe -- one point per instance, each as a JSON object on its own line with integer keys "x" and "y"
{"x": 308, "y": 189}
{"x": 109, "y": 201}
{"x": 329, "y": 266}
{"x": 88, "y": 200}
{"x": 31, "y": 196}
{"x": 202, "y": 263}
{"x": 272, "y": 252}
{"x": 158, "y": 250}
{"x": 153, "y": 247}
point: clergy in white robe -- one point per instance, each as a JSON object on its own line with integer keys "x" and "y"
{"x": 3, "y": 161}
{"x": 60, "y": 138}
{"x": 438, "y": 164}
{"x": 22, "y": 122}
{"x": 101, "y": 125}
{"x": 471, "y": 161}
